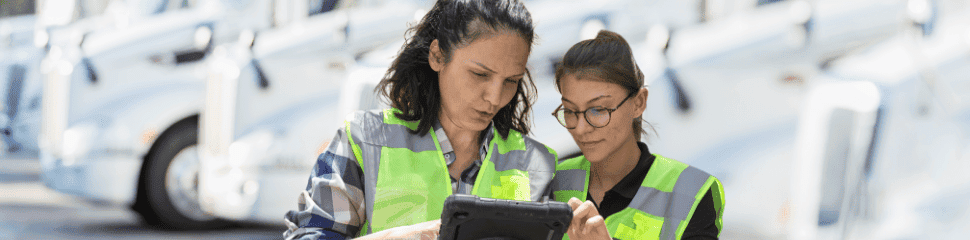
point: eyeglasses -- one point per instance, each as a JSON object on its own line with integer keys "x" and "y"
{"x": 597, "y": 116}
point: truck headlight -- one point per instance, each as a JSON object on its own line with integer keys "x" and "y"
{"x": 77, "y": 142}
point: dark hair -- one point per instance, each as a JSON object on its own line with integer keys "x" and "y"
{"x": 412, "y": 86}
{"x": 606, "y": 58}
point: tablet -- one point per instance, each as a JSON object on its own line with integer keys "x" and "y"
{"x": 469, "y": 217}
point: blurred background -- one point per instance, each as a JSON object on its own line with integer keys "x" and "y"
{"x": 824, "y": 119}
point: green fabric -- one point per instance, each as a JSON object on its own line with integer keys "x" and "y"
{"x": 697, "y": 200}
{"x": 569, "y": 164}
{"x": 513, "y": 142}
{"x": 631, "y": 224}
{"x": 512, "y": 184}
{"x": 564, "y": 195}
{"x": 554, "y": 154}
{"x": 353, "y": 145}
{"x": 412, "y": 187}
{"x": 409, "y": 193}
{"x": 391, "y": 118}
{"x": 718, "y": 194}
{"x": 663, "y": 173}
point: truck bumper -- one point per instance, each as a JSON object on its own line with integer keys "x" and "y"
{"x": 109, "y": 179}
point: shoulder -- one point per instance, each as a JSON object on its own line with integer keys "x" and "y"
{"x": 573, "y": 163}
{"x": 527, "y": 151}
{"x": 370, "y": 125}
{"x": 532, "y": 144}
{"x": 664, "y": 164}
{"x": 365, "y": 117}
{"x": 689, "y": 177}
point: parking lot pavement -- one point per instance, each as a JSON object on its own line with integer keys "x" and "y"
{"x": 29, "y": 210}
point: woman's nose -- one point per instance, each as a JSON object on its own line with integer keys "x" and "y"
{"x": 582, "y": 126}
{"x": 493, "y": 93}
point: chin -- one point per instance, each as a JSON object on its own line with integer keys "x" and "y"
{"x": 592, "y": 156}
{"x": 476, "y": 124}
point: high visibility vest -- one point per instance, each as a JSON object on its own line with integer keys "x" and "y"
{"x": 406, "y": 175}
{"x": 662, "y": 206}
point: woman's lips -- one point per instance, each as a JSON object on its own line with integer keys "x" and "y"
{"x": 590, "y": 143}
{"x": 485, "y": 115}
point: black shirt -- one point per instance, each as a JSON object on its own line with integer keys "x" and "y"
{"x": 701, "y": 225}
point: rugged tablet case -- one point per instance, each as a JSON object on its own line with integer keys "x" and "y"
{"x": 467, "y": 217}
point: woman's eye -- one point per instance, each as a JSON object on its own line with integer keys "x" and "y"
{"x": 480, "y": 74}
{"x": 512, "y": 81}
{"x": 597, "y": 111}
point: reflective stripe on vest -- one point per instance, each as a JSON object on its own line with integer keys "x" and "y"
{"x": 406, "y": 178}
{"x": 662, "y": 206}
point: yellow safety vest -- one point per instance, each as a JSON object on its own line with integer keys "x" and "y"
{"x": 406, "y": 176}
{"x": 662, "y": 206}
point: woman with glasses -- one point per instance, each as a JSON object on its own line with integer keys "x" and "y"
{"x": 618, "y": 188}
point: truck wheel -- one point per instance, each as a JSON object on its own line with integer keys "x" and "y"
{"x": 168, "y": 188}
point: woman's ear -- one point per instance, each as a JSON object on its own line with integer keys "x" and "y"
{"x": 435, "y": 57}
{"x": 640, "y": 101}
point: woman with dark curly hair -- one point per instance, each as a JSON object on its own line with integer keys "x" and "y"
{"x": 461, "y": 96}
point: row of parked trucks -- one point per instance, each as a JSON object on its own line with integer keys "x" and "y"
{"x": 201, "y": 112}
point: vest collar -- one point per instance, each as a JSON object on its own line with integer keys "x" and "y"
{"x": 449, "y": 151}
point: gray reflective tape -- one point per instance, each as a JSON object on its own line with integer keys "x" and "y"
{"x": 539, "y": 151}
{"x": 391, "y": 135}
{"x": 536, "y": 160}
{"x": 689, "y": 183}
{"x": 674, "y": 206}
{"x": 572, "y": 179}
{"x": 539, "y": 184}
{"x": 541, "y": 167}
{"x": 515, "y": 159}
{"x": 652, "y": 201}
{"x": 401, "y": 138}
{"x": 529, "y": 160}
{"x": 372, "y": 163}
{"x": 669, "y": 229}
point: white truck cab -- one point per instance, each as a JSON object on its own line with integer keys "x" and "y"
{"x": 730, "y": 95}
{"x": 273, "y": 99}
{"x": 893, "y": 147}
{"x": 124, "y": 87}
{"x": 20, "y": 85}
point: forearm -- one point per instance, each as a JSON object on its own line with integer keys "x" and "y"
{"x": 421, "y": 231}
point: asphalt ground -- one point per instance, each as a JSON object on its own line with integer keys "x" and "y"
{"x": 29, "y": 210}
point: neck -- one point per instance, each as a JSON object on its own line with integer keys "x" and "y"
{"x": 607, "y": 173}
{"x": 462, "y": 140}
